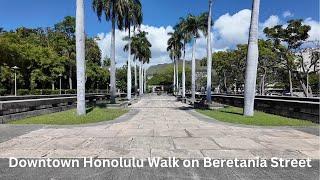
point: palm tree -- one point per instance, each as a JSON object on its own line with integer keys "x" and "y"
{"x": 80, "y": 49}
{"x": 209, "y": 55}
{"x": 192, "y": 26}
{"x": 186, "y": 38}
{"x": 174, "y": 48}
{"x": 132, "y": 18}
{"x": 114, "y": 10}
{"x": 252, "y": 61}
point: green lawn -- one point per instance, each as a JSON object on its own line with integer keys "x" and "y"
{"x": 234, "y": 115}
{"x": 69, "y": 117}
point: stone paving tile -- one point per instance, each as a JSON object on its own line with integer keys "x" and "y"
{"x": 24, "y": 143}
{"x": 195, "y": 143}
{"x": 228, "y": 154}
{"x": 74, "y": 153}
{"x": 178, "y": 153}
{"x": 107, "y": 143}
{"x": 270, "y": 153}
{"x": 205, "y": 132}
{"x": 312, "y": 154}
{"x": 125, "y": 153}
{"x": 237, "y": 143}
{"x": 171, "y": 133}
{"x": 152, "y": 142}
{"x": 135, "y": 132}
{"x": 92, "y": 132}
{"x": 20, "y": 153}
{"x": 62, "y": 143}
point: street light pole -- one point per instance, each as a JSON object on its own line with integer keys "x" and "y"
{"x": 60, "y": 75}
{"x": 15, "y": 79}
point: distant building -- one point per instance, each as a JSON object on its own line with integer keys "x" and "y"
{"x": 306, "y": 60}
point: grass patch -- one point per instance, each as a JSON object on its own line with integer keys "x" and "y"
{"x": 234, "y": 115}
{"x": 96, "y": 114}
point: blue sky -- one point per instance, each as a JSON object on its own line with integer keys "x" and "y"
{"x": 39, "y": 13}
{"x": 232, "y": 18}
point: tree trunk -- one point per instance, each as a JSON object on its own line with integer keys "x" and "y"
{"x": 177, "y": 76}
{"x": 145, "y": 80}
{"x": 52, "y": 85}
{"x": 209, "y": 54}
{"x": 252, "y": 61}
{"x": 135, "y": 79}
{"x": 113, "y": 63}
{"x": 174, "y": 77}
{"x": 70, "y": 77}
{"x": 129, "y": 69}
{"x": 140, "y": 79}
{"x": 80, "y": 49}
{"x": 193, "y": 71}
{"x": 290, "y": 82}
{"x": 184, "y": 73}
{"x": 225, "y": 82}
{"x": 307, "y": 84}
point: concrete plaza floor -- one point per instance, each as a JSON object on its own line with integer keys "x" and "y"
{"x": 158, "y": 126}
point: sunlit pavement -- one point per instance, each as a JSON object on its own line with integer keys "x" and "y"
{"x": 162, "y": 127}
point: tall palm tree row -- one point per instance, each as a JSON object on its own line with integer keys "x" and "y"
{"x": 115, "y": 11}
{"x": 194, "y": 25}
{"x": 80, "y": 57}
{"x": 174, "y": 48}
{"x": 186, "y": 38}
{"x": 133, "y": 17}
{"x": 252, "y": 61}
{"x": 140, "y": 49}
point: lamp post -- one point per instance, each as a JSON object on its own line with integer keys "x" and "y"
{"x": 60, "y": 75}
{"x": 15, "y": 68}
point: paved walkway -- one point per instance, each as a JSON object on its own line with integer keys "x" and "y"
{"x": 163, "y": 128}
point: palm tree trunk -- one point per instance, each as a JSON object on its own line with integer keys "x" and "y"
{"x": 113, "y": 63}
{"x": 140, "y": 79}
{"x": 193, "y": 71}
{"x": 252, "y": 61}
{"x": 70, "y": 77}
{"x": 209, "y": 54}
{"x": 177, "y": 76}
{"x": 129, "y": 69}
{"x": 174, "y": 77}
{"x": 135, "y": 79}
{"x": 80, "y": 49}
{"x": 290, "y": 82}
{"x": 145, "y": 80}
{"x": 184, "y": 73}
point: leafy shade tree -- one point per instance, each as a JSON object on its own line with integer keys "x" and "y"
{"x": 252, "y": 61}
{"x": 174, "y": 48}
{"x": 192, "y": 26}
{"x": 133, "y": 17}
{"x": 63, "y": 41}
{"x": 293, "y": 37}
{"x": 80, "y": 46}
{"x": 114, "y": 10}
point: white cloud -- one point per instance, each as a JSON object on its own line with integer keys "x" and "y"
{"x": 271, "y": 21}
{"x": 232, "y": 29}
{"x": 314, "y": 33}
{"x": 287, "y": 14}
{"x": 156, "y": 35}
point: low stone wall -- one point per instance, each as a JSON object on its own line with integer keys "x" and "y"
{"x": 305, "y": 110}
{"x": 18, "y": 109}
